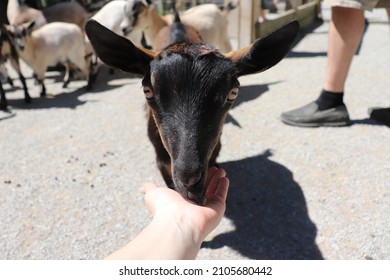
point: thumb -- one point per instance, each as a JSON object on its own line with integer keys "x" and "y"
{"x": 147, "y": 187}
{"x": 147, "y": 190}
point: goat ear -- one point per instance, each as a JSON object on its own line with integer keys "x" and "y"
{"x": 266, "y": 52}
{"x": 117, "y": 51}
{"x": 30, "y": 27}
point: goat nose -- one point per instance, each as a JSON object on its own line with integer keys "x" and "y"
{"x": 188, "y": 177}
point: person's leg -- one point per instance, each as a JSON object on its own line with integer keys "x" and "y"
{"x": 345, "y": 31}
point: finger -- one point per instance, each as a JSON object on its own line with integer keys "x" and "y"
{"x": 146, "y": 187}
{"x": 222, "y": 188}
{"x": 212, "y": 186}
{"x": 149, "y": 199}
{"x": 210, "y": 173}
{"x": 217, "y": 200}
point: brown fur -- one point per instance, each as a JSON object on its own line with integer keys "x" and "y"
{"x": 163, "y": 37}
{"x": 71, "y": 12}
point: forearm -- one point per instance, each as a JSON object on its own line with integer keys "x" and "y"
{"x": 162, "y": 239}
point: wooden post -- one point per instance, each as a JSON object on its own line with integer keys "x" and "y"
{"x": 248, "y": 16}
{"x": 293, "y": 4}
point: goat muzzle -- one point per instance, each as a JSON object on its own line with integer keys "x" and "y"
{"x": 191, "y": 184}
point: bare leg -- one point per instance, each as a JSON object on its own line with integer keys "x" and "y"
{"x": 345, "y": 32}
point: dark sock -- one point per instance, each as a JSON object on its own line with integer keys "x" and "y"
{"x": 328, "y": 99}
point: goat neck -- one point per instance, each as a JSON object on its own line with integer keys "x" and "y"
{"x": 176, "y": 32}
{"x": 13, "y": 9}
{"x": 154, "y": 23}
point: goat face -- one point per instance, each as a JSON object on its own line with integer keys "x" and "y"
{"x": 133, "y": 15}
{"x": 189, "y": 88}
{"x": 19, "y": 33}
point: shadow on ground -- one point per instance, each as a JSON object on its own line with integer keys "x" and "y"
{"x": 269, "y": 212}
{"x": 248, "y": 93}
{"x": 67, "y": 98}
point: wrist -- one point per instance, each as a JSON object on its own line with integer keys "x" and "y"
{"x": 179, "y": 230}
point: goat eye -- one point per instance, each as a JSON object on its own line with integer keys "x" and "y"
{"x": 232, "y": 94}
{"x": 148, "y": 92}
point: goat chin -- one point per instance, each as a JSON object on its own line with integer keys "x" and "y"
{"x": 197, "y": 199}
{"x": 195, "y": 192}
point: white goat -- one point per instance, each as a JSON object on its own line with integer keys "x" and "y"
{"x": 19, "y": 13}
{"x": 56, "y": 42}
{"x": 72, "y": 12}
{"x": 111, "y": 15}
{"x": 210, "y": 22}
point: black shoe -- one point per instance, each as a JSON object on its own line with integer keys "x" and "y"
{"x": 311, "y": 116}
{"x": 380, "y": 114}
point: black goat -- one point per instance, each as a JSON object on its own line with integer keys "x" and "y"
{"x": 189, "y": 87}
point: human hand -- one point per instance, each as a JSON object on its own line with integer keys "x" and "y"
{"x": 195, "y": 220}
{"x": 179, "y": 226}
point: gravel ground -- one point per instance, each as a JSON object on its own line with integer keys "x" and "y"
{"x": 71, "y": 165}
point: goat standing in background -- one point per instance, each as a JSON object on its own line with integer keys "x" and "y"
{"x": 18, "y": 13}
{"x": 8, "y": 51}
{"x": 189, "y": 88}
{"x": 56, "y": 42}
{"x": 211, "y": 23}
{"x": 70, "y": 12}
{"x": 111, "y": 16}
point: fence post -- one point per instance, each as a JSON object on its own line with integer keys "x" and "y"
{"x": 248, "y": 16}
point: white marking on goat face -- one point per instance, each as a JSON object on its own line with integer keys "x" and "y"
{"x": 18, "y": 34}
{"x": 132, "y": 10}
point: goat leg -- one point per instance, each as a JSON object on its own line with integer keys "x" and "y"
{"x": 9, "y": 80}
{"x": 67, "y": 75}
{"x": 3, "y": 100}
{"x": 43, "y": 90}
{"x": 27, "y": 97}
{"x": 15, "y": 64}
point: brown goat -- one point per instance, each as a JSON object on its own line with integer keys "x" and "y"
{"x": 189, "y": 88}
{"x": 71, "y": 12}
